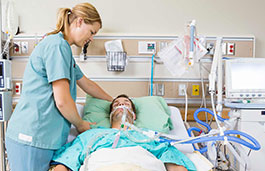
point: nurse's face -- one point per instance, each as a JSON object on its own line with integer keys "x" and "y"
{"x": 84, "y": 33}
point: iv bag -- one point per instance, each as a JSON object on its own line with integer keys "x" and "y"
{"x": 10, "y": 21}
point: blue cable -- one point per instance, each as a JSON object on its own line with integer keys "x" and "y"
{"x": 152, "y": 73}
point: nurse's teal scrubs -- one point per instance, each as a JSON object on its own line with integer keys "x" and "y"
{"x": 36, "y": 127}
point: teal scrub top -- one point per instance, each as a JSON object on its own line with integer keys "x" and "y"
{"x": 36, "y": 121}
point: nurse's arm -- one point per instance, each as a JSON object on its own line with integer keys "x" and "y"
{"x": 66, "y": 105}
{"x": 91, "y": 88}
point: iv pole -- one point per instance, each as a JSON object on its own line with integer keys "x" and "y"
{"x": 2, "y": 124}
{"x": 1, "y": 27}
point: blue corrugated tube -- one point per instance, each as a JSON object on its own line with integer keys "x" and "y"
{"x": 152, "y": 74}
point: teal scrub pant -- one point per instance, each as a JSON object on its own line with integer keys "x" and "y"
{"x": 22, "y": 157}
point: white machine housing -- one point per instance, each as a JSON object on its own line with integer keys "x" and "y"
{"x": 5, "y": 105}
{"x": 245, "y": 78}
{"x": 252, "y": 122}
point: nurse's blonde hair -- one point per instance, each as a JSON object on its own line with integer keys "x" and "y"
{"x": 66, "y": 16}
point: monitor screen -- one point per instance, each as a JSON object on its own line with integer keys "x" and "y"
{"x": 245, "y": 78}
{"x": 1, "y": 69}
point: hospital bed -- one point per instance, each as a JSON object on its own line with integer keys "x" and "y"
{"x": 137, "y": 160}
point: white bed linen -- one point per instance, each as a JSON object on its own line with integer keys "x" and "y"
{"x": 133, "y": 158}
{"x": 179, "y": 131}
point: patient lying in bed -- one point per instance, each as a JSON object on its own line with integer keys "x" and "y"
{"x": 72, "y": 155}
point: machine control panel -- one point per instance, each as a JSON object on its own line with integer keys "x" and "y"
{"x": 5, "y": 75}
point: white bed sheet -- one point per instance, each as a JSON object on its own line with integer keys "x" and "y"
{"x": 179, "y": 131}
{"x": 135, "y": 158}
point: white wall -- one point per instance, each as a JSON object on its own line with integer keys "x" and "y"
{"x": 156, "y": 17}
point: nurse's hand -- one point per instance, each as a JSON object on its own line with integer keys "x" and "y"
{"x": 84, "y": 126}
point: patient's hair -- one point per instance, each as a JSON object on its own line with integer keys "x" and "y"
{"x": 125, "y": 96}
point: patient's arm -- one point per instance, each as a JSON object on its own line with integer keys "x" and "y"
{"x": 174, "y": 167}
{"x": 61, "y": 167}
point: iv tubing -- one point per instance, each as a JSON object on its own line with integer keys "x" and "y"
{"x": 1, "y": 28}
{"x": 90, "y": 145}
{"x": 152, "y": 74}
{"x": 192, "y": 30}
{"x": 186, "y": 106}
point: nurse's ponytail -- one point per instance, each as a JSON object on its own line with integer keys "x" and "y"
{"x": 66, "y": 16}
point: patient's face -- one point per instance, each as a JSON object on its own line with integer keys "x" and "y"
{"x": 122, "y": 101}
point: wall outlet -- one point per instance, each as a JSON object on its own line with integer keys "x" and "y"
{"x": 182, "y": 88}
{"x": 230, "y": 48}
{"x": 18, "y": 88}
{"x": 160, "y": 89}
{"x": 24, "y": 47}
{"x": 146, "y": 47}
{"x": 17, "y": 48}
{"x": 162, "y": 45}
{"x": 195, "y": 90}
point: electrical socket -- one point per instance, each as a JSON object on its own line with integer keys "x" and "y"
{"x": 24, "y": 47}
{"x": 16, "y": 47}
{"x": 195, "y": 90}
{"x": 182, "y": 88}
{"x": 160, "y": 89}
{"x": 145, "y": 47}
{"x": 18, "y": 88}
{"x": 162, "y": 45}
{"x": 230, "y": 48}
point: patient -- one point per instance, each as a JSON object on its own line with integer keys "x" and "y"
{"x": 72, "y": 155}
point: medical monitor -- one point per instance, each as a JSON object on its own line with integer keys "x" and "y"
{"x": 245, "y": 78}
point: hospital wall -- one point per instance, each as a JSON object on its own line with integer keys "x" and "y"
{"x": 155, "y": 17}
{"x": 141, "y": 20}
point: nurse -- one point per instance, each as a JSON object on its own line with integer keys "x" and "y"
{"x": 41, "y": 120}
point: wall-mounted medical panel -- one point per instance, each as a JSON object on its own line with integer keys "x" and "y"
{"x": 139, "y": 88}
{"x": 139, "y": 65}
{"x": 135, "y": 79}
{"x": 135, "y": 69}
{"x": 243, "y": 46}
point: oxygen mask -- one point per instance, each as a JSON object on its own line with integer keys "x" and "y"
{"x": 123, "y": 114}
